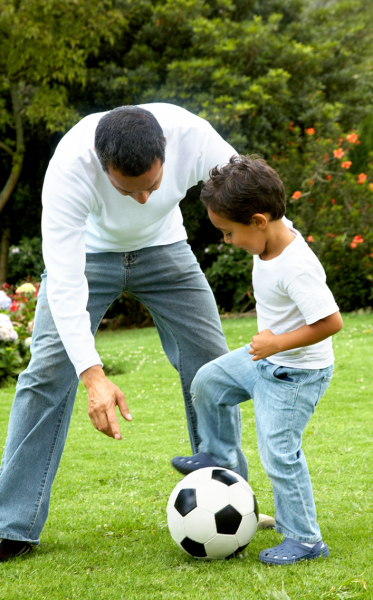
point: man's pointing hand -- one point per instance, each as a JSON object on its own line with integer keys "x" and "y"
{"x": 103, "y": 397}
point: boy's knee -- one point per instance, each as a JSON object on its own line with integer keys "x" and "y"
{"x": 202, "y": 379}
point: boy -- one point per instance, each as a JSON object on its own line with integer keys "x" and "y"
{"x": 288, "y": 365}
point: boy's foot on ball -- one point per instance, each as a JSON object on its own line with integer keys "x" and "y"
{"x": 188, "y": 464}
{"x": 291, "y": 551}
{"x": 11, "y": 548}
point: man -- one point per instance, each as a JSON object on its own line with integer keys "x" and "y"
{"x": 111, "y": 222}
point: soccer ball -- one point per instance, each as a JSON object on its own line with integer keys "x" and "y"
{"x": 212, "y": 513}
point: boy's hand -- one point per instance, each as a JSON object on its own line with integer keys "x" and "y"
{"x": 263, "y": 344}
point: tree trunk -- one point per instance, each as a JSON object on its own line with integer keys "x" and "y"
{"x": 4, "y": 250}
{"x": 5, "y": 193}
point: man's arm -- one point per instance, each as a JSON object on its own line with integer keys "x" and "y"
{"x": 266, "y": 343}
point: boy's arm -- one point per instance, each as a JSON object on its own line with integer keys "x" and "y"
{"x": 266, "y": 343}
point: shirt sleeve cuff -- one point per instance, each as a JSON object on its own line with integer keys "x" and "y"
{"x": 326, "y": 311}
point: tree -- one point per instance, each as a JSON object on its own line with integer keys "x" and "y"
{"x": 44, "y": 48}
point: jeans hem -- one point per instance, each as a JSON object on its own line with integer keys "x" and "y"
{"x": 299, "y": 538}
{"x": 18, "y": 538}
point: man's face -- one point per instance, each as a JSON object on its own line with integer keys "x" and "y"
{"x": 139, "y": 188}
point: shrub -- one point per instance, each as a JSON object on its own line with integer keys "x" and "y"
{"x": 25, "y": 259}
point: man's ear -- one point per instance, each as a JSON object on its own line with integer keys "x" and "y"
{"x": 260, "y": 221}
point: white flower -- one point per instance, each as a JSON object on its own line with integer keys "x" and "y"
{"x": 5, "y": 320}
{"x": 28, "y": 342}
{"x": 7, "y": 333}
{"x": 5, "y": 301}
{"x": 15, "y": 250}
{"x": 26, "y": 288}
{"x": 30, "y": 327}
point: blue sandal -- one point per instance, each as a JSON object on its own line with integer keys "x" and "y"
{"x": 188, "y": 464}
{"x": 291, "y": 551}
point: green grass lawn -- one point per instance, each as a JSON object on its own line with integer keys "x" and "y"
{"x": 106, "y": 535}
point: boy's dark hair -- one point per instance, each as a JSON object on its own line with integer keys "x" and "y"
{"x": 245, "y": 186}
{"x": 129, "y": 139}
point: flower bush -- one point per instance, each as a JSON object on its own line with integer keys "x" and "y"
{"x": 17, "y": 308}
{"x": 332, "y": 207}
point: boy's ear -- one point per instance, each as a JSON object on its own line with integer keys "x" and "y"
{"x": 260, "y": 221}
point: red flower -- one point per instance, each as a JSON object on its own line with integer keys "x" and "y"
{"x": 338, "y": 153}
{"x": 13, "y": 307}
{"x": 310, "y": 182}
{"x": 333, "y": 201}
{"x": 358, "y": 239}
{"x": 346, "y": 164}
{"x": 328, "y": 177}
{"x": 291, "y": 126}
{"x": 361, "y": 178}
{"x": 310, "y": 239}
{"x": 296, "y": 195}
{"x": 310, "y": 131}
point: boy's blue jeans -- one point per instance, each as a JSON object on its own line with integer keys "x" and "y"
{"x": 284, "y": 401}
{"x": 169, "y": 281}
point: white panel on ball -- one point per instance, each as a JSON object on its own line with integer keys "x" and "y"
{"x": 247, "y": 529}
{"x": 200, "y": 525}
{"x": 221, "y": 546}
{"x": 241, "y": 497}
{"x": 212, "y": 496}
{"x": 176, "y": 525}
{"x": 193, "y": 480}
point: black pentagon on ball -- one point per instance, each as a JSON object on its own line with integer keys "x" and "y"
{"x": 228, "y": 520}
{"x": 186, "y": 501}
{"x": 224, "y": 477}
{"x": 256, "y": 508}
{"x": 194, "y": 548}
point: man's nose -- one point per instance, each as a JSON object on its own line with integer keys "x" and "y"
{"x": 141, "y": 197}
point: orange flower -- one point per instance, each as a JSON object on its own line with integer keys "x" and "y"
{"x": 328, "y": 177}
{"x": 310, "y": 182}
{"x": 338, "y": 153}
{"x": 371, "y": 186}
{"x": 353, "y": 245}
{"x": 310, "y": 131}
{"x": 310, "y": 239}
{"x": 361, "y": 178}
{"x": 358, "y": 239}
{"x": 352, "y": 138}
{"x": 296, "y": 195}
{"x": 346, "y": 164}
{"x": 333, "y": 201}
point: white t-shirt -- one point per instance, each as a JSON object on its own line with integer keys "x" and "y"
{"x": 83, "y": 212}
{"x": 290, "y": 291}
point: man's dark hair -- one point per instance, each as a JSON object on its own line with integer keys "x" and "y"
{"x": 245, "y": 186}
{"x": 129, "y": 139}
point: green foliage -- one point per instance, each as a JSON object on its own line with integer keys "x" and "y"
{"x": 230, "y": 277}
{"x": 25, "y": 260}
{"x": 11, "y": 363}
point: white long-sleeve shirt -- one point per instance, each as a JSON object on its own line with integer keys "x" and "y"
{"x": 83, "y": 212}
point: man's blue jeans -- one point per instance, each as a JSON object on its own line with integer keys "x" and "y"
{"x": 284, "y": 401}
{"x": 170, "y": 283}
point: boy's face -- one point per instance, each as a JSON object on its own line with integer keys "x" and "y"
{"x": 251, "y": 238}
